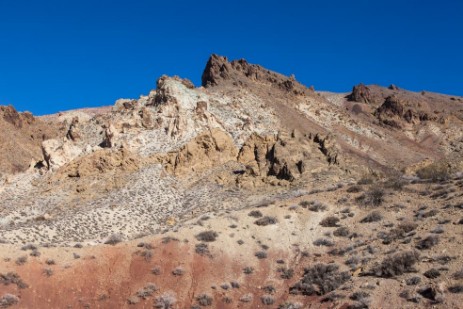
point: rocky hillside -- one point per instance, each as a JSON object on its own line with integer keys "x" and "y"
{"x": 310, "y": 199}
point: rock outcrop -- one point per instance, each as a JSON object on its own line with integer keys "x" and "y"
{"x": 240, "y": 73}
{"x": 207, "y": 150}
{"x": 360, "y": 93}
{"x": 20, "y": 140}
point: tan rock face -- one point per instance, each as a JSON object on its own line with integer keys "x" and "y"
{"x": 57, "y": 153}
{"x": 20, "y": 140}
{"x": 209, "y": 149}
{"x": 102, "y": 161}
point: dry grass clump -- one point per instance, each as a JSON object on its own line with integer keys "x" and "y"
{"x": 456, "y": 289}
{"x": 8, "y": 300}
{"x": 341, "y": 232}
{"x": 21, "y": 260}
{"x": 261, "y": 255}
{"x": 432, "y": 273}
{"x": 113, "y": 239}
{"x": 165, "y": 301}
{"x": 207, "y": 236}
{"x": 248, "y": 270}
{"x": 374, "y": 216}
{"x": 330, "y": 221}
{"x": 373, "y": 197}
{"x": 147, "y": 291}
{"x": 320, "y": 279}
{"x": 435, "y": 172}
{"x": 267, "y": 220}
{"x": 396, "y": 265}
{"x": 255, "y": 214}
{"x": 202, "y": 249}
{"x": 12, "y": 278}
{"x": 323, "y": 242}
{"x": 290, "y": 305}
{"x": 267, "y": 300}
{"x": 204, "y": 300}
{"x": 428, "y": 242}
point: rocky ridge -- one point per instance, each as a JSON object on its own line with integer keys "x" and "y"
{"x": 279, "y": 174}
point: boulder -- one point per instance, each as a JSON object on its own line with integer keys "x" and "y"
{"x": 360, "y": 93}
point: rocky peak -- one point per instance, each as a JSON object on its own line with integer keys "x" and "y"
{"x": 219, "y": 71}
{"x": 11, "y": 115}
{"x": 360, "y": 93}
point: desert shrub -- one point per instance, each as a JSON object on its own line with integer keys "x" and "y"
{"x": 359, "y": 295}
{"x": 432, "y": 273}
{"x": 267, "y": 300}
{"x": 316, "y": 206}
{"x": 132, "y": 300}
{"x": 207, "y": 236}
{"x": 165, "y": 301}
{"x": 341, "y": 232}
{"x": 147, "y": 291}
{"x": 330, "y": 221}
{"x": 48, "y": 272}
{"x": 246, "y": 298}
{"x": 225, "y": 286}
{"x": 401, "y": 231}
{"x": 202, "y": 249}
{"x": 456, "y": 289}
{"x": 156, "y": 270}
{"x": 35, "y": 253}
{"x": 266, "y": 221}
{"x": 428, "y": 242}
{"x": 396, "y": 265}
{"x": 443, "y": 259}
{"x": 438, "y": 230}
{"x": 227, "y": 300}
{"x": 374, "y": 196}
{"x": 147, "y": 255}
{"x": 413, "y": 280}
{"x": 12, "y": 278}
{"x": 145, "y": 245}
{"x": 366, "y": 180}
{"x": 261, "y": 254}
{"x": 21, "y": 260}
{"x": 8, "y": 300}
{"x": 354, "y": 189}
{"x": 374, "y": 216}
{"x": 248, "y": 270}
{"x": 458, "y": 275}
{"x": 240, "y": 242}
{"x": 235, "y": 284}
{"x": 320, "y": 279}
{"x": 29, "y": 247}
{"x": 396, "y": 183}
{"x": 323, "y": 242}
{"x": 255, "y": 214}
{"x": 269, "y": 289}
{"x": 50, "y": 262}
{"x": 289, "y": 305}
{"x": 286, "y": 273}
{"x": 168, "y": 239}
{"x": 179, "y": 271}
{"x": 435, "y": 172}
{"x": 113, "y": 239}
{"x": 204, "y": 300}
{"x": 352, "y": 262}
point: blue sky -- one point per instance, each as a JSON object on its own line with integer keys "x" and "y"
{"x": 59, "y": 55}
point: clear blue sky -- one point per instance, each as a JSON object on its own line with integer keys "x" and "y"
{"x": 58, "y": 55}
